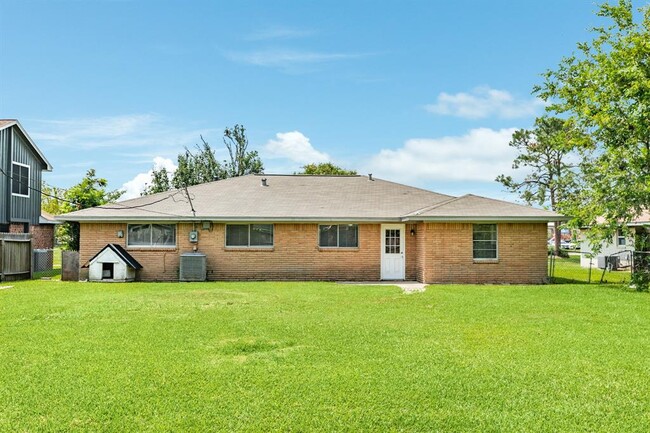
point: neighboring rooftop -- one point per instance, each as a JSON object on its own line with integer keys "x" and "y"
{"x": 6, "y": 123}
{"x": 642, "y": 219}
{"x": 307, "y": 198}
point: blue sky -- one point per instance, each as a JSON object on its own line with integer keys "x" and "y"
{"x": 426, "y": 93}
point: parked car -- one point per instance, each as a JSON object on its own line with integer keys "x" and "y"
{"x": 567, "y": 245}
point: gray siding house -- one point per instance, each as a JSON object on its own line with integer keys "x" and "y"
{"x": 21, "y": 167}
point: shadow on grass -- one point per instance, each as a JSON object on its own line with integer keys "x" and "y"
{"x": 53, "y": 274}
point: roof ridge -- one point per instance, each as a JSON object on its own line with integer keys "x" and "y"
{"x": 307, "y": 175}
{"x": 509, "y": 202}
{"x": 434, "y": 206}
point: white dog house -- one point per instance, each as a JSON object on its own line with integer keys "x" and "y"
{"x": 113, "y": 264}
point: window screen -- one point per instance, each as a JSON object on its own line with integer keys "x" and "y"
{"x": 341, "y": 235}
{"x": 249, "y": 235}
{"x": 485, "y": 241}
{"x": 20, "y": 179}
{"x": 151, "y": 235}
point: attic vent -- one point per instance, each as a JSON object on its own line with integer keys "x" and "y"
{"x": 193, "y": 267}
{"x": 264, "y": 182}
{"x": 369, "y": 176}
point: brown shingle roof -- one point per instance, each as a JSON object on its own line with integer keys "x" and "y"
{"x": 473, "y": 206}
{"x": 303, "y": 198}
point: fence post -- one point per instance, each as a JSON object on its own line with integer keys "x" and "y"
{"x": 2, "y": 261}
{"x": 69, "y": 266}
{"x": 31, "y": 260}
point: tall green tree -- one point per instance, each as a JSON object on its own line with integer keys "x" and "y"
{"x": 197, "y": 167}
{"x": 605, "y": 90}
{"x": 201, "y": 165}
{"x": 52, "y": 199}
{"x": 326, "y": 168}
{"x": 90, "y": 192}
{"x": 160, "y": 182}
{"x": 545, "y": 154}
{"x": 242, "y": 161}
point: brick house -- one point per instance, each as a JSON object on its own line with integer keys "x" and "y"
{"x": 297, "y": 227}
{"x": 21, "y": 167}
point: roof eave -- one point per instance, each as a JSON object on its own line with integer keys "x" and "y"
{"x": 486, "y": 218}
{"x": 48, "y": 166}
{"x": 123, "y": 219}
{"x": 311, "y": 219}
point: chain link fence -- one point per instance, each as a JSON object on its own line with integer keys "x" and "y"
{"x": 586, "y": 268}
{"x": 46, "y": 263}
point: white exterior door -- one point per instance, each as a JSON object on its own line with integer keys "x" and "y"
{"x": 393, "y": 263}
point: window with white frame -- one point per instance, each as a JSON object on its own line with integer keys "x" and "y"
{"x": 485, "y": 241}
{"x": 249, "y": 235}
{"x": 338, "y": 236}
{"x": 20, "y": 179}
{"x": 151, "y": 235}
{"x": 621, "y": 240}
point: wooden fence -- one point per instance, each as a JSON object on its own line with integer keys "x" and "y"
{"x": 15, "y": 256}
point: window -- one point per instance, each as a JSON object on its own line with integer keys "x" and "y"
{"x": 338, "y": 235}
{"x": 151, "y": 235}
{"x": 485, "y": 241}
{"x": 621, "y": 240}
{"x": 249, "y": 235}
{"x": 20, "y": 179}
{"x": 392, "y": 241}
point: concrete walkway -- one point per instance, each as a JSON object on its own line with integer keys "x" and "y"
{"x": 406, "y": 286}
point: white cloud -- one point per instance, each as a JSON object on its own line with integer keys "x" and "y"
{"x": 295, "y": 147}
{"x": 114, "y": 132}
{"x": 116, "y": 146}
{"x": 135, "y": 186}
{"x": 484, "y": 102}
{"x": 288, "y": 58}
{"x": 479, "y": 155}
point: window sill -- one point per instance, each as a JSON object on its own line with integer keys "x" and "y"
{"x": 337, "y": 249}
{"x": 143, "y": 248}
{"x": 486, "y": 261}
{"x": 251, "y": 249}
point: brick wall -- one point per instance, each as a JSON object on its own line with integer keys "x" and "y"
{"x": 17, "y": 228}
{"x": 294, "y": 256}
{"x": 42, "y": 236}
{"x": 436, "y": 253}
{"x": 445, "y": 254}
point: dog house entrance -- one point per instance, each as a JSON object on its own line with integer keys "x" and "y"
{"x": 107, "y": 271}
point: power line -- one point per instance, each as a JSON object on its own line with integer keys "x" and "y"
{"x": 76, "y": 204}
{"x": 36, "y": 189}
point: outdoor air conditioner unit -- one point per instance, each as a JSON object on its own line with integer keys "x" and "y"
{"x": 193, "y": 267}
{"x": 608, "y": 262}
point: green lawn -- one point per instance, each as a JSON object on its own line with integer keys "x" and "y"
{"x": 322, "y": 357}
{"x": 568, "y": 270}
